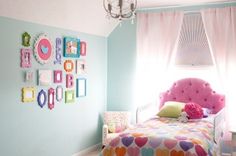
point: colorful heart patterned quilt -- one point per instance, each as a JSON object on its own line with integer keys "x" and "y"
{"x": 164, "y": 137}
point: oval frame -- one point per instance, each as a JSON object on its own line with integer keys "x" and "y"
{"x": 59, "y": 93}
{"x": 51, "y": 95}
{"x": 42, "y": 103}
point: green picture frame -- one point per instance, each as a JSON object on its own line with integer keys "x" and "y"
{"x": 69, "y": 96}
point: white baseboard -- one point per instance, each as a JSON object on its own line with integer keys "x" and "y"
{"x": 87, "y": 150}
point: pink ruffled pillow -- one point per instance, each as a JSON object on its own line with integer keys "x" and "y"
{"x": 193, "y": 110}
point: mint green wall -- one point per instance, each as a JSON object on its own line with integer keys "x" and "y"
{"x": 25, "y": 128}
{"x": 121, "y": 67}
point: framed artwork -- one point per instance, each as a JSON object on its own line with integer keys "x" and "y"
{"x": 80, "y": 87}
{"x": 83, "y": 48}
{"x": 69, "y": 80}
{"x": 43, "y": 49}
{"x": 26, "y": 39}
{"x": 57, "y": 76}
{"x": 28, "y": 94}
{"x": 42, "y": 98}
{"x": 80, "y": 67}
{"x": 59, "y": 93}
{"x": 71, "y": 47}
{"x": 69, "y": 96}
{"x": 51, "y": 97}
{"x": 26, "y": 58}
{"x": 29, "y": 76}
{"x": 68, "y": 65}
{"x": 58, "y": 51}
{"x": 44, "y": 77}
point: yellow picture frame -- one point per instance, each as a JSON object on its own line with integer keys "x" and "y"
{"x": 28, "y": 94}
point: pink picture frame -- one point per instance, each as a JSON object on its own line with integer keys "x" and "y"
{"x": 69, "y": 80}
{"x": 26, "y": 58}
{"x": 83, "y": 48}
{"x": 51, "y": 97}
{"x": 57, "y": 76}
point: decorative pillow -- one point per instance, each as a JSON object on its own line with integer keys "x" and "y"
{"x": 116, "y": 127}
{"x": 171, "y": 109}
{"x": 111, "y": 127}
{"x": 193, "y": 110}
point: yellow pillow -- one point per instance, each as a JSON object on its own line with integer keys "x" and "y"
{"x": 171, "y": 109}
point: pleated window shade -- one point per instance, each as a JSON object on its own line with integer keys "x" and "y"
{"x": 193, "y": 48}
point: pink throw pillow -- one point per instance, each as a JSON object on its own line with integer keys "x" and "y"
{"x": 193, "y": 110}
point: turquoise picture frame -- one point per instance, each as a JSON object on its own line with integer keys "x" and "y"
{"x": 71, "y": 47}
{"x": 81, "y": 87}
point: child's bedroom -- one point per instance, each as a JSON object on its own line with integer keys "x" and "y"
{"x": 118, "y": 78}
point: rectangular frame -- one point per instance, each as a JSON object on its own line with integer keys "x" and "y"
{"x": 44, "y": 77}
{"x": 71, "y": 47}
{"x": 69, "y": 96}
{"x": 28, "y": 94}
{"x": 57, "y": 76}
{"x": 26, "y": 58}
{"x": 81, "y": 87}
{"x": 80, "y": 67}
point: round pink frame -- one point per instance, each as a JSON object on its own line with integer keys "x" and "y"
{"x": 43, "y": 49}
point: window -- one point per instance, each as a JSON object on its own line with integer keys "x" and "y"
{"x": 193, "y": 48}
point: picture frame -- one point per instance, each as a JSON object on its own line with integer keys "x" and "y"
{"x": 26, "y": 39}
{"x": 69, "y": 80}
{"x": 59, "y": 93}
{"x": 71, "y": 47}
{"x": 28, "y": 94}
{"x": 43, "y": 49}
{"x": 51, "y": 97}
{"x": 81, "y": 87}
{"x": 44, "y": 77}
{"x": 68, "y": 66}
{"x": 58, "y": 51}
{"x": 26, "y": 58}
{"x": 57, "y": 76}
{"x": 42, "y": 98}
{"x": 83, "y": 48}
{"x": 29, "y": 75}
{"x": 69, "y": 96}
{"x": 80, "y": 67}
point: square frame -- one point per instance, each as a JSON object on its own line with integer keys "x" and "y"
{"x": 28, "y": 94}
{"x": 44, "y": 77}
{"x": 71, "y": 47}
{"x": 69, "y": 96}
{"x": 81, "y": 87}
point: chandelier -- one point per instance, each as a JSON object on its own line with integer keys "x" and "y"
{"x": 120, "y": 9}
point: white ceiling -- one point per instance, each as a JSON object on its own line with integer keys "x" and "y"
{"x": 86, "y": 16}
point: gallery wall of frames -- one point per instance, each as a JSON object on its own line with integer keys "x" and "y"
{"x": 64, "y": 84}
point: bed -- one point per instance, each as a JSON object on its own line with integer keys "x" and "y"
{"x": 163, "y": 136}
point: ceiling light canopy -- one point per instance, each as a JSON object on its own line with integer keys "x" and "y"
{"x": 120, "y": 9}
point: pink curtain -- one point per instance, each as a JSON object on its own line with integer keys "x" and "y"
{"x": 220, "y": 27}
{"x": 157, "y": 35}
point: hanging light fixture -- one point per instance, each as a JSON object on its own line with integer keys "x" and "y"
{"x": 120, "y": 9}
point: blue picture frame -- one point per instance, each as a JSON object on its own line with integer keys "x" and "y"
{"x": 81, "y": 87}
{"x": 71, "y": 47}
{"x": 42, "y": 98}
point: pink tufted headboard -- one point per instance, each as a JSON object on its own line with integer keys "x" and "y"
{"x": 194, "y": 90}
